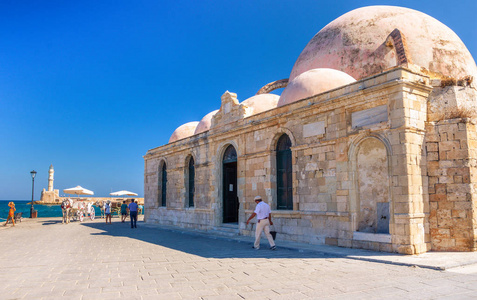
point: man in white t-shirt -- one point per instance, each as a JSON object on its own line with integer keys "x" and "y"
{"x": 264, "y": 220}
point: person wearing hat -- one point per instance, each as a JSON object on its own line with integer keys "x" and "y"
{"x": 107, "y": 211}
{"x": 264, "y": 217}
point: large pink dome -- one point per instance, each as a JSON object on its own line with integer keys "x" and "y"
{"x": 313, "y": 82}
{"x": 355, "y": 43}
{"x": 183, "y": 131}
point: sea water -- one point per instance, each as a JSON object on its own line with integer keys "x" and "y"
{"x": 44, "y": 211}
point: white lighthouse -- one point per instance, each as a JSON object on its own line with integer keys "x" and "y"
{"x": 50, "y": 178}
{"x": 51, "y": 195}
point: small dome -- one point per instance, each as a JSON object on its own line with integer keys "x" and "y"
{"x": 183, "y": 131}
{"x": 355, "y": 43}
{"x": 260, "y": 103}
{"x": 205, "y": 123}
{"x": 313, "y": 82}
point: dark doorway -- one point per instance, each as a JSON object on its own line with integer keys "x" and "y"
{"x": 231, "y": 204}
{"x": 284, "y": 174}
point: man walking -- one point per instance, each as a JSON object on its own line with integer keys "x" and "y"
{"x": 264, "y": 217}
{"x": 133, "y": 213}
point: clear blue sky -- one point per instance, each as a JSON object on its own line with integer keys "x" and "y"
{"x": 90, "y": 86}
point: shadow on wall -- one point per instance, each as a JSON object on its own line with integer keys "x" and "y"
{"x": 209, "y": 246}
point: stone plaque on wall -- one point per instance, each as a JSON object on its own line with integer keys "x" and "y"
{"x": 369, "y": 116}
{"x": 312, "y": 129}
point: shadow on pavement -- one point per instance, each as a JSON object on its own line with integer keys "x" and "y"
{"x": 198, "y": 244}
{"x": 51, "y": 222}
{"x": 211, "y": 246}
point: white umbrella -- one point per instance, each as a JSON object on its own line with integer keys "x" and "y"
{"x": 78, "y": 190}
{"x": 123, "y": 193}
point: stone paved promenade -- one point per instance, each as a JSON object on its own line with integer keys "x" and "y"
{"x": 43, "y": 259}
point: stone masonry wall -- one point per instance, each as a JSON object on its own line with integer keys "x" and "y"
{"x": 451, "y": 147}
{"x": 326, "y": 132}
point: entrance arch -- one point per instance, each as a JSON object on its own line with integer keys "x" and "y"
{"x": 229, "y": 187}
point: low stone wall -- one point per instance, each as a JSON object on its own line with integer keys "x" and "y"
{"x": 201, "y": 219}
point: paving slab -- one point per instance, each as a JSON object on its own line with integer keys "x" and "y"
{"x": 44, "y": 259}
{"x": 432, "y": 259}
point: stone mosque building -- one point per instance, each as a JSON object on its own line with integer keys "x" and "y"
{"x": 372, "y": 144}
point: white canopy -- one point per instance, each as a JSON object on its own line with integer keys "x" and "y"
{"x": 78, "y": 190}
{"x": 123, "y": 193}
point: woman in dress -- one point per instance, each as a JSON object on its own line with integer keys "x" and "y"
{"x": 11, "y": 213}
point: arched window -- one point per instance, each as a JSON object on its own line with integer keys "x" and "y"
{"x": 230, "y": 155}
{"x": 284, "y": 174}
{"x": 191, "y": 182}
{"x": 163, "y": 184}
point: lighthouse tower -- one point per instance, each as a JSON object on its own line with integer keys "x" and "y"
{"x": 50, "y": 179}
{"x": 50, "y": 196}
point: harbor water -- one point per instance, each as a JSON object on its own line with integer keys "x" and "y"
{"x": 44, "y": 211}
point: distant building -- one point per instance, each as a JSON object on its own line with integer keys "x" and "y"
{"x": 51, "y": 195}
{"x": 372, "y": 144}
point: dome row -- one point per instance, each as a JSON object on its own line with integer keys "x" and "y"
{"x": 310, "y": 83}
{"x": 356, "y": 45}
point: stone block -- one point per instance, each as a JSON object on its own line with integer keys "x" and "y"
{"x": 442, "y": 155}
{"x": 432, "y": 147}
{"x": 341, "y": 199}
{"x": 458, "y": 188}
{"x": 463, "y": 244}
{"x": 406, "y": 249}
{"x": 433, "y": 137}
{"x": 438, "y": 197}
{"x": 434, "y": 170}
{"x": 463, "y": 205}
{"x": 463, "y": 234}
{"x": 342, "y": 207}
{"x": 449, "y": 146}
{"x": 457, "y": 171}
{"x": 441, "y": 233}
{"x": 432, "y": 180}
{"x": 342, "y": 192}
{"x": 446, "y": 179}
{"x": 331, "y": 241}
{"x": 345, "y": 243}
{"x": 458, "y": 154}
{"x": 441, "y": 188}
{"x": 444, "y": 218}
{"x": 445, "y": 205}
{"x": 445, "y": 244}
